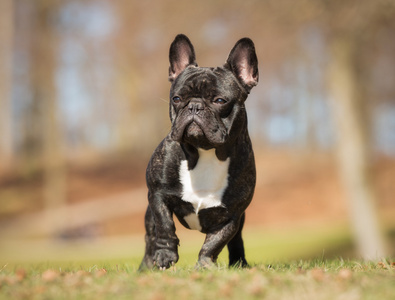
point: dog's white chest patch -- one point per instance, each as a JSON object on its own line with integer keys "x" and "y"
{"x": 204, "y": 186}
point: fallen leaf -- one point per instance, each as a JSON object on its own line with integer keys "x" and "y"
{"x": 317, "y": 274}
{"x": 257, "y": 286}
{"x": 344, "y": 274}
{"x": 20, "y": 274}
{"x": 382, "y": 265}
{"x": 50, "y": 275}
{"x": 225, "y": 290}
{"x": 195, "y": 276}
{"x": 157, "y": 296}
{"x": 253, "y": 270}
{"x": 39, "y": 289}
{"x": 11, "y": 280}
{"x": 300, "y": 270}
{"x": 82, "y": 273}
{"x": 100, "y": 272}
{"x": 234, "y": 279}
{"x": 71, "y": 279}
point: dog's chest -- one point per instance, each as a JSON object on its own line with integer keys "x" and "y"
{"x": 204, "y": 185}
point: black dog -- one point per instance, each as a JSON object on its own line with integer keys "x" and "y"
{"x": 204, "y": 170}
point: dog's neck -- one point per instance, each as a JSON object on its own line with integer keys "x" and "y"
{"x": 192, "y": 154}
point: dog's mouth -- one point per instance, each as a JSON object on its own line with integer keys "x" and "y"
{"x": 199, "y": 131}
{"x": 193, "y": 130}
{"x": 188, "y": 129}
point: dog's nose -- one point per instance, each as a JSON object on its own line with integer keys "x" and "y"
{"x": 195, "y": 107}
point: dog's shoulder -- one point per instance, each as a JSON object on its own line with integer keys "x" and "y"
{"x": 164, "y": 163}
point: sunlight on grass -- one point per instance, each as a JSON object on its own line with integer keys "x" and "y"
{"x": 118, "y": 279}
{"x": 261, "y": 247}
{"x": 284, "y": 265}
{"x": 269, "y": 246}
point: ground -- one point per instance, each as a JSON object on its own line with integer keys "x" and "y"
{"x": 298, "y": 280}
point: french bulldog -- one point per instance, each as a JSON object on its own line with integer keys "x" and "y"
{"x": 203, "y": 171}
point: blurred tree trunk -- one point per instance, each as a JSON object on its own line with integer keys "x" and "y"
{"x": 346, "y": 85}
{"x": 129, "y": 84}
{"x": 6, "y": 46}
{"x": 44, "y": 66}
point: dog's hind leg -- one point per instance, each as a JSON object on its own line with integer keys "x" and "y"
{"x": 150, "y": 240}
{"x": 236, "y": 248}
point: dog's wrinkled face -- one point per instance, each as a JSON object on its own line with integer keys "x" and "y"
{"x": 207, "y": 104}
{"x": 202, "y": 102}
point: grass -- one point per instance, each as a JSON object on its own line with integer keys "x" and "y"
{"x": 261, "y": 246}
{"x": 280, "y": 270}
{"x": 305, "y": 279}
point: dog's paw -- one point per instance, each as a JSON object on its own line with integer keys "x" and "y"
{"x": 205, "y": 262}
{"x": 165, "y": 258}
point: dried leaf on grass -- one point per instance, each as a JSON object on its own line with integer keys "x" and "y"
{"x": 100, "y": 272}
{"x": 50, "y": 275}
{"x": 344, "y": 274}
{"x": 317, "y": 274}
{"x": 386, "y": 265}
{"x": 257, "y": 285}
{"x": 20, "y": 274}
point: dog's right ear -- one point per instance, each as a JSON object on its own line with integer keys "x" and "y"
{"x": 181, "y": 55}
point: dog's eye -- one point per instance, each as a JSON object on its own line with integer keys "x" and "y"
{"x": 176, "y": 99}
{"x": 220, "y": 101}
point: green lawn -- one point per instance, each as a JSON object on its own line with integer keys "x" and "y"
{"x": 308, "y": 279}
{"x": 299, "y": 264}
{"x": 262, "y": 246}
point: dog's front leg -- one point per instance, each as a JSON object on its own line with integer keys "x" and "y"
{"x": 166, "y": 252}
{"x": 214, "y": 243}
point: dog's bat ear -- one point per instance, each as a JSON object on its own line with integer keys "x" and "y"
{"x": 181, "y": 55}
{"x": 242, "y": 61}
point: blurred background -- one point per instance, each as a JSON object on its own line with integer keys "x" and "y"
{"x": 84, "y": 102}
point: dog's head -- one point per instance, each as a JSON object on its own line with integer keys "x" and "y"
{"x": 207, "y": 104}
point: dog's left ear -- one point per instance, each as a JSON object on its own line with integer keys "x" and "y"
{"x": 242, "y": 61}
{"x": 181, "y": 55}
